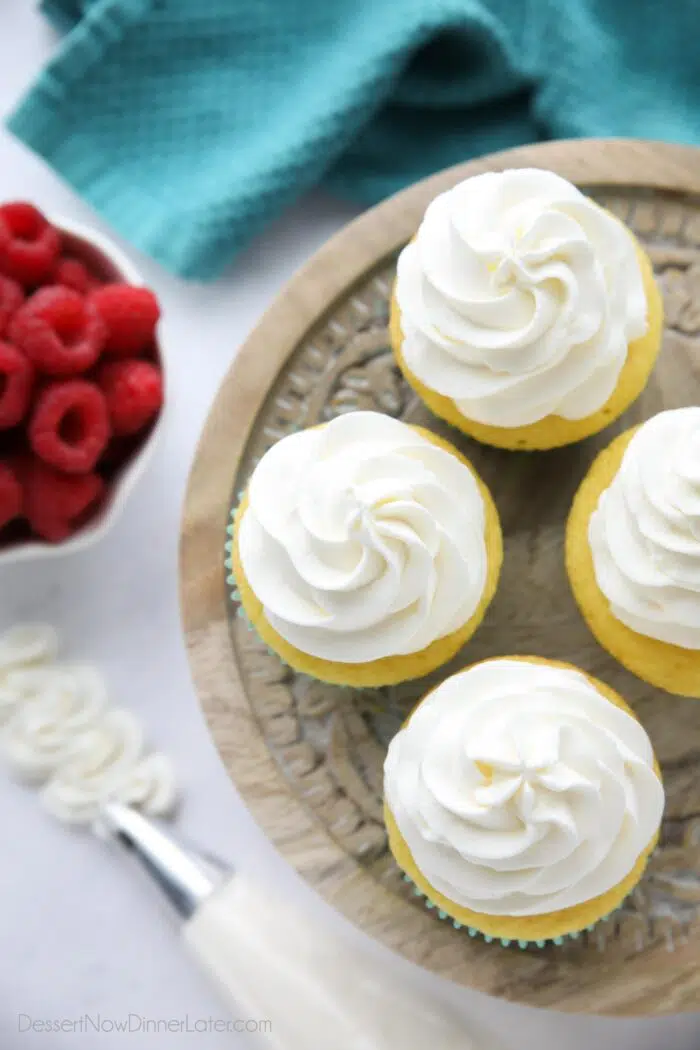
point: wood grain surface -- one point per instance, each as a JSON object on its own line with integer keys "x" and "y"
{"x": 307, "y": 758}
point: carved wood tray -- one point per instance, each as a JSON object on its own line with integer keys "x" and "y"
{"x": 306, "y": 757}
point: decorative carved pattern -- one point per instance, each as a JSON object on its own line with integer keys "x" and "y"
{"x": 330, "y": 742}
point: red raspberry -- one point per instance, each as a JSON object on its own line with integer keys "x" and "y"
{"x": 69, "y": 427}
{"x": 11, "y": 298}
{"x": 29, "y": 244}
{"x": 131, "y": 315}
{"x": 16, "y": 380}
{"x": 61, "y": 332}
{"x": 134, "y": 393}
{"x": 57, "y": 505}
{"x": 71, "y": 273}
{"x": 11, "y": 496}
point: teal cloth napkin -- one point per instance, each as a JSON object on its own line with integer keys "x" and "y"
{"x": 190, "y": 123}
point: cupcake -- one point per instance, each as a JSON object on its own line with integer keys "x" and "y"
{"x": 633, "y": 550}
{"x": 523, "y": 313}
{"x": 365, "y": 551}
{"x": 523, "y": 799}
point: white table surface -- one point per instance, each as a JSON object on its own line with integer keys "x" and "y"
{"x": 79, "y": 931}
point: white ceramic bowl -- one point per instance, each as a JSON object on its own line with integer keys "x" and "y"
{"x": 106, "y": 259}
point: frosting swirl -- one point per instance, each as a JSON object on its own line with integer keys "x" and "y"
{"x": 645, "y": 532}
{"x": 106, "y": 762}
{"x": 22, "y": 648}
{"x": 56, "y": 729}
{"x": 519, "y": 297}
{"x": 54, "y": 707}
{"x": 363, "y": 540}
{"x": 520, "y": 789}
{"x": 27, "y": 645}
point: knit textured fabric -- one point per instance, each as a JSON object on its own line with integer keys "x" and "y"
{"x": 189, "y": 124}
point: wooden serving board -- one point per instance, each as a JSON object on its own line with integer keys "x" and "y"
{"x": 306, "y": 757}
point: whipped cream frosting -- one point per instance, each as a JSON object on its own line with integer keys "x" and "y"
{"x": 106, "y": 763}
{"x": 58, "y": 731}
{"x": 363, "y": 540}
{"x": 519, "y": 297}
{"x": 645, "y": 532}
{"x": 521, "y": 790}
{"x": 26, "y": 645}
{"x": 55, "y": 705}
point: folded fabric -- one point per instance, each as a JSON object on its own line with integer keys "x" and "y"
{"x": 190, "y": 123}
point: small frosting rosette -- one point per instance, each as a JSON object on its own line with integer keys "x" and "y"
{"x": 57, "y": 730}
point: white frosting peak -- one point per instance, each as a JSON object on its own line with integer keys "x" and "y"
{"x": 520, "y": 789}
{"x": 362, "y": 539}
{"x": 519, "y": 297}
{"x": 645, "y": 532}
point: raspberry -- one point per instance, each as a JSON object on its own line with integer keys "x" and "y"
{"x": 16, "y": 380}
{"x": 69, "y": 427}
{"x": 131, "y": 315}
{"x": 71, "y": 273}
{"x": 61, "y": 332}
{"x": 29, "y": 244}
{"x": 57, "y": 504}
{"x": 134, "y": 393}
{"x": 11, "y": 298}
{"x": 11, "y": 496}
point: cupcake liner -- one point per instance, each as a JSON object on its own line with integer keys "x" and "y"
{"x": 234, "y": 593}
{"x": 505, "y": 942}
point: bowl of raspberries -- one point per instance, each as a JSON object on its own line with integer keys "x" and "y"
{"x": 81, "y": 382}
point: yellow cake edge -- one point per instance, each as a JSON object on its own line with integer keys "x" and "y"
{"x": 661, "y": 664}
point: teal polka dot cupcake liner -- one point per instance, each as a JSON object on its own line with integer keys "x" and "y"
{"x": 234, "y": 593}
{"x": 232, "y": 583}
{"x": 505, "y": 942}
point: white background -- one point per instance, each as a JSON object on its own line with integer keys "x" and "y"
{"x": 79, "y": 930}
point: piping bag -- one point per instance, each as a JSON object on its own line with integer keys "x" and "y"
{"x": 271, "y": 961}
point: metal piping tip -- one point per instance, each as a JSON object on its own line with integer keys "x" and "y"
{"x": 184, "y": 879}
